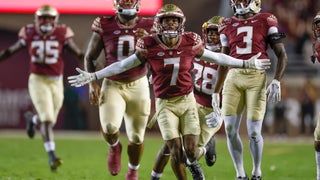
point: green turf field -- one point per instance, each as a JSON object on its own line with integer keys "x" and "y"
{"x": 84, "y": 157}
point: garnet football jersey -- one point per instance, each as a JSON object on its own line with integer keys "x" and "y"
{"x": 46, "y": 50}
{"x": 316, "y": 47}
{"x": 205, "y": 75}
{"x": 171, "y": 68}
{"x": 119, "y": 41}
{"x": 247, "y": 37}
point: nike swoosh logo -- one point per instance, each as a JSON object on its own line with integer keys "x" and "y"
{"x": 179, "y": 52}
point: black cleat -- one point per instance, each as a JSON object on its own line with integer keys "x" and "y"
{"x": 253, "y": 177}
{"x": 54, "y": 163}
{"x": 211, "y": 154}
{"x": 154, "y": 178}
{"x": 196, "y": 171}
{"x": 30, "y": 125}
{"x": 242, "y": 178}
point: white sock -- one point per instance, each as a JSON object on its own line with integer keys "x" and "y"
{"x": 318, "y": 164}
{"x": 202, "y": 152}
{"x": 115, "y": 144}
{"x": 35, "y": 119}
{"x": 49, "y": 146}
{"x": 133, "y": 167}
{"x": 234, "y": 143}
{"x": 256, "y": 145}
{"x": 155, "y": 174}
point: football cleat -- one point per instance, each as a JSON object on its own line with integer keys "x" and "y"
{"x": 253, "y": 177}
{"x": 30, "y": 125}
{"x": 54, "y": 163}
{"x": 211, "y": 155}
{"x": 242, "y": 178}
{"x": 154, "y": 178}
{"x": 132, "y": 174}
{"x": 196, "y": 171}
{"x": 114, "y": 159}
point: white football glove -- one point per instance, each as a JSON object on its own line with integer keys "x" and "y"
{"x": 213, "y": 119}
{"x": 255, "y": 63}
{"x": 274, "y": 91}
{"x": 81, "y": 79}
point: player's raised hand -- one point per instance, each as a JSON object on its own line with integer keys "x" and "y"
{"x": 255, "y": 63}
{"x": 82, "y": 78}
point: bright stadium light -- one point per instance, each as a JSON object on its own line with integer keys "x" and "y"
{"x": 148, "y": 7}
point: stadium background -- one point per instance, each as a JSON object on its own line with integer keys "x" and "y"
{"x": 295, "y": 17}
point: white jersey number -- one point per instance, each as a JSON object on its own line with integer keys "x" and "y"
{"x": 205, "y": 78}
{"x": 248, "y": 30}
{"x": 176, "y": 66}
{"x": 45, "y": 52}
{"x": 125, "y": 46}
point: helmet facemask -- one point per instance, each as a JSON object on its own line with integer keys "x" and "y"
{"x": 127, "y": 9}
{"x": 169, "y": 12}
{"x": 46, "y": 18}
{"x": 240, "y": 8}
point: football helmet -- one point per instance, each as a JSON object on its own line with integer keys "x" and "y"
{"x": 127, "y": 9}
{"x": 316, "y": 25}
{"x": 169, "y": 10}
{"x": 210, "y": 33}
{"x": 46, "y": 18}
{"x": 240, "y": 7}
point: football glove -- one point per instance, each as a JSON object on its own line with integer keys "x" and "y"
{"x": 255, "y": 63}
{"x": 274, "y": 91}
{"x": 213, "y": 119}
{"x": 82, "y": 78}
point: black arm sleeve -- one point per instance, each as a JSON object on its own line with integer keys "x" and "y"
{"x": 275, "y": 38}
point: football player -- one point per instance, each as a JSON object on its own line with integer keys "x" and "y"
{"x": 316, "y": 57}
{"x": 242, "y": 36}
{"x": 125, "y": 96}
{"x": 45, "y": 40}
{"x": 169, "y": 53}
{"x": 204, "y": 78}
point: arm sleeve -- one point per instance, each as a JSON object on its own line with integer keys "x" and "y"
{"x": 221, "y": 59}
{"x": 118, "y": 67}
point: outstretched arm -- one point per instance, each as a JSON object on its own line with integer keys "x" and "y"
{"x": 225, "y": 60}
{"x": 113, "y": 69}
{"x": 5, "y": 54}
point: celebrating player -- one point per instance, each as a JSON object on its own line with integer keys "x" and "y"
{"x": 205, "y": 75}
{"x": 45, "y": 40}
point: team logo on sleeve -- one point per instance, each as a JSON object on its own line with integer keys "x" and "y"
{"x": 116, "y": 32}
{"x": 160, "y": 54}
